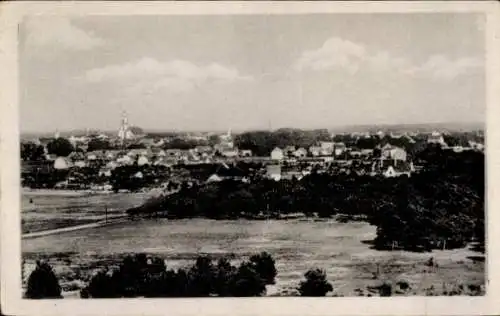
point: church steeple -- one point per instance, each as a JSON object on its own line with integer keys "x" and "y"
{"x": 124, "y": 132}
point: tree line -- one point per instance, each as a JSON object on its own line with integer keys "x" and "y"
{"x": 142, "y": 276}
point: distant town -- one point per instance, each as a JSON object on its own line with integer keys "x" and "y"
{"x": 93, "y": 161}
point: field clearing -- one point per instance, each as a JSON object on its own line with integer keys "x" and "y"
{"x": 43, "y": 210}
{"x": 342, "y": 249}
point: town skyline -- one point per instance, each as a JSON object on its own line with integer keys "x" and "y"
{"x": 255, "y": 72}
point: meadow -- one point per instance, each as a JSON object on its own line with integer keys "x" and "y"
{"x": 56, "y": 209}
{"x": 343, "y": 250}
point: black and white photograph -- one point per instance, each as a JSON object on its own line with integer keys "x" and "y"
{"x": 324, "y": 154}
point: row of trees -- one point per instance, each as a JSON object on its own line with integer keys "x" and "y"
{"x": 142, "y": 276}
{"x": 440, "y": 207}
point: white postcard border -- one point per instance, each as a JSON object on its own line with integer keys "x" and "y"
{"x": 11, "y": 301}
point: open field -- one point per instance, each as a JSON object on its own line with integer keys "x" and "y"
{"x": 42, "y": 210}
{"x": 342, "y": 249}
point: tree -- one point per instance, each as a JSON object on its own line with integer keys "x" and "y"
{"x": 247, "y": 282}
{"x": 315, "y": 284}
{"x": 98, "y": 144}
{"x": 201, "y": 277}
{"x": 264, "y": 265}
{"x": 43, "y": 283}
{"x": 32, "y": 152}
{"x": 60, "y": 147}
{"x": 101, "y": 285}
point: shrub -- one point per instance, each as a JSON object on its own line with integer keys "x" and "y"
{"x": 385, "y": 289}
{"x": 225, "y": 272}
{"x": 403, "y": 285}
{"x": 264, "y": 265}
{"x": 246, "y": 282}
{"x": 101, "y": 285}
{"x": 315, "y": 284}
{"x": 201, "y": 277}
{"x": 43, "y": 283}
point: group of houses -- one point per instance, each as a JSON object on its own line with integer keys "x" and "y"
{"x": 391, "y": 161}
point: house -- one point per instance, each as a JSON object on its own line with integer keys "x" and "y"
{"x": 160, "y": 153}
{"x": 289, "y": 175}
{"x": 105, "y": 172}
{"x": 277, "y": 154}
{"x": 214, "y": 178}
{"x": 142, "y": 160}
{"x": 392, "y": 168}
{"x": 61, "y": 163}
{"x": 399, "y": 169}
{"x": 273, "y": 172}
{"x": 315, "y": 151}
{"x": 203, "y": 149}
{"x": 366, "y": 152}
{"x": 355, "y": 153}
{"x": 245, "y": 153}
{"x": 436, "y": 138}
{"x": 76, "y": 155}
{"x": 393, "y": 152}
{"x": 409, "y": 139}
{"x": 339, "y": 149}
{"x": 300, "y": 153}
{"x": 125, "y": 160}
{"x": 112, "y": 165}
{"x": 328, "y": 158}
{"x": 80, "y": 164}
{"x": 476, "y": 146}
{"x": 225, "y": 172}
{"x": 327, "y": 145}
{"x": 173, "y": 152}
{"x": 229, "y": 153}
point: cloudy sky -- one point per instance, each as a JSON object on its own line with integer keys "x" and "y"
{"x": 249, "y": 72}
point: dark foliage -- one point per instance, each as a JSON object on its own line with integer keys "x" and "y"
{"x": 43, "y": 283}
{"x": 264, "y": 265}
{"x": 60, "y": 147}
{"x": 98, "y": 144}
{"x": 142, "y": 276}
{"x": 32, "y": 152}
{"x": 315, "y": 284}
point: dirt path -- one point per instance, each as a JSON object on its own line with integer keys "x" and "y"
{"x": 111, "y": 220}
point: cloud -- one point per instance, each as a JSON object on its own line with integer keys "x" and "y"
{"x": 441, "y": 67}
{"x": 337, "y": 53}
{"x": 59, "y": 31}
{"x": 148, "y": 75}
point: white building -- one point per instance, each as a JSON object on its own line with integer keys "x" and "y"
{"x": 277, "y": 154}
{"x": 61, "y": 163}
{"x": 142, "y": 160}
{"x": 124, "y": 133}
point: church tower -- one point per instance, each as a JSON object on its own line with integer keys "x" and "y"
{"x": 124, "y": 132}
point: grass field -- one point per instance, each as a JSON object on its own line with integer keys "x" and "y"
{"x": 44, "y": 211}
{"x": 342, "y": 249}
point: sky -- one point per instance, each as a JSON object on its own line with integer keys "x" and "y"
{"x": 215, "y": 72}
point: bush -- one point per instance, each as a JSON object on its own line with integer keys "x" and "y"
{"x": 246, "y": 282}
{"x": 139, "y": 276}
{"x": 43, "y": 283}
{"x": 315, "y": 284}
{"x": 385, "y": 289}
{"x": 202, "y": 277}
{"x": 264, "y": 265}
{"x": 102, "y": 285}
{"x": 403, "y": 285}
